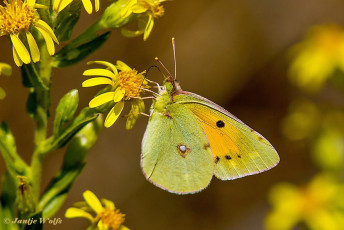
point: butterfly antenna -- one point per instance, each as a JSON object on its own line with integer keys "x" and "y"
{"x": 145, "y": 77}
{"x": 163, "y": 66}
{"x": 175, "y": 58}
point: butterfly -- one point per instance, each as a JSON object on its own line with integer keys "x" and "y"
{"x": 189, "y": 139}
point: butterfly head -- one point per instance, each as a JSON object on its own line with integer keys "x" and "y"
{"x": 171, "y": 86}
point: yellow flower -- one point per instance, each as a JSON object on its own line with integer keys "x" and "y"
{"x": 127, "y": 85}
{"x": 302, "y": 121}
{"x": 18, "y": 19}
{"x": 107, "y": 216}
{"x": 59, "y": 5}
{"x": 152, "y": 8}
{"x": 317, "y": 57}
{"x": 6, "y": 70}
{"x": 319, "y": 205}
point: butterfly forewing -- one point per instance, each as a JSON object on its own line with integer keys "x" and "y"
{"x": 237, "y": 149}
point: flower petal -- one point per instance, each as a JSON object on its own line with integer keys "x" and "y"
{"x": 16, "y": 58}
{"x": 119, "y": 94}
{"x": 48, "y": 41}
{"x": 101, "y": 99}
{"x": 88, "y": 6}
{"x": 100, "y": 72}
{"x": 102, "y": 226}
{"x": 97, "y": 81}
{"x": 148, "y": 28}
{"x": 21, "y": 49}
{"x": 56, "y": 5}
{"x": 114, "y": 114}
{"x": 35, "y": 54}
{"x": 93, "y": 201}
{"x": 2, "y": 93}
{"x": 59, "y": 5}
{"x": 96, "y": 5}
{"x": 126, "y": 10}
{"x": 107, "y": 64}
{"x": 123, "y": 228}
{"x": 31, "y": 2}
{"x": 138, "y": 9}
{"x": 43, "y": 25}
{"x": 40, "y": 6}
{"x": 5, "y": 69}
{"x": 122, "y": 66}
{"x": 137, "y": 106}
{"x": 76, "y": 213}
{"x": 108, "y": 203}
{"x": 131, "y": 33}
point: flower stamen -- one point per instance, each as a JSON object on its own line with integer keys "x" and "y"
{"x": 112, "y": 218}
{"x": 16, "y": 17}
{"x": 131, "y": 81}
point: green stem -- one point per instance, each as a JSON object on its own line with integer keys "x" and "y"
{"x": 88, "y": 35}
{"x": 36, "y": 172}
{"x": 41, "y": 120}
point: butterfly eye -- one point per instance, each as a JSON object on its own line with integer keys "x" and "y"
{"x": 169, "y": 86}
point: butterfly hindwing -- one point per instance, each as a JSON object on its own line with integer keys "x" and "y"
{"x": 237, "y": 149}
{"x": 164, "y": 161}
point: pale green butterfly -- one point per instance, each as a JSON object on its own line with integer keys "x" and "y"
{"x": 189, "y": 139}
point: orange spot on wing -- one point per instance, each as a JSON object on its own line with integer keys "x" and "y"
{"x": 222, "y": 139}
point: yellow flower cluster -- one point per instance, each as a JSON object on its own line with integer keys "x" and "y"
{"x": 18, "y": 19}
{"x": 152, "y": 8}
{"x": 127, "y": 85}
{"x": 317, "y": 57}
{"x": 318, "y": 205}
{"x": 107, "y": 216}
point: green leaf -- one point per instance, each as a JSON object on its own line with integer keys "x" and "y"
{"x": 66, "y": 21}
{"x": 31, "y": 77}
{"x": 7, "y": 140}
{"x": 70, "y": 56}
{"x": 65, "y": 110}
{"x": 54, "y": 205}
{"x": 7, "y": 202}
{"x": 57, "y": 191}
{"x": 81, "y": 143}
{"x": 73, "y": 163}
{"x": 86, "y": 115}
{"x": 14, "y": 163}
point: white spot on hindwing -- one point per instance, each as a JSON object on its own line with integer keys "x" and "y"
{"x": 183, "y": 150}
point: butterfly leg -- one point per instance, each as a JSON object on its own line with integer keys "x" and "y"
{"x": 143, "y": 98}
{"x": 143, "y": 114}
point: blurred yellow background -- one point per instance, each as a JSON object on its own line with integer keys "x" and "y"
{"x": 231, "y": 52}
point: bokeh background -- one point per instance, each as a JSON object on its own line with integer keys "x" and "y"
{"x": 237, "y": 54}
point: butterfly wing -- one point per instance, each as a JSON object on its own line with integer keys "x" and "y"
{"x": 164, "y": 161}
{"x": 237, "y": 149}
